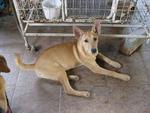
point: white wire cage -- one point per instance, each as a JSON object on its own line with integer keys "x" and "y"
{"x": 133, "y": 14}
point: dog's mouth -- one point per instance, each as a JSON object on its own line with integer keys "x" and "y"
{"x": 95, "y": 54}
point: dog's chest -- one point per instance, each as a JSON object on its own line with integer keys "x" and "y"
{"x": 66, "y": 58}
{"x": 68, "y": 61}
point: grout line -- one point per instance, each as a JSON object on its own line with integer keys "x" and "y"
{"x": 59, "y": 101}
{"x": 16, "y": 83}
{"x": 15, "y": 88}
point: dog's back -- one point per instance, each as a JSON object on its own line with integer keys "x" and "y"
{"x": 58, "y": 54}
{"x": 61, "y": 54}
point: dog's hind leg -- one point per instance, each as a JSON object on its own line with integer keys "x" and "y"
{"x": 68, "y": 89}
{"x": 109, "y": 61}
{"x": 74, "y": 77}
{"x": 59, "y": 74}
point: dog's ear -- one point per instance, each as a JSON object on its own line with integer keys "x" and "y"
{"x": 3, "y": 65}
{"x": 77, "y": 31}
{"x": 97, "y": 27}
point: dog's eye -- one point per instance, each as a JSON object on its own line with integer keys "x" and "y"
{"x": 86, "y": 40}
{"x": 95, "y": 39}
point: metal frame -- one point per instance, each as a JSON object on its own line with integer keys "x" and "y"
{"x": 32, "y": 18}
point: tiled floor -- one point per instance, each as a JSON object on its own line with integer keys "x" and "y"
{"x": 29, "y": 94}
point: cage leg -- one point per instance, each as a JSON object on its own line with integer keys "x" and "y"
{"x": 30, "y": 47}
{"x": 27, "y": 45}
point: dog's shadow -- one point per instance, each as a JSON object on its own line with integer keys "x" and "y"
{"x": 100, "y": 62}
{"x": 103, "y": 64}
{"x": 72, "y": 72}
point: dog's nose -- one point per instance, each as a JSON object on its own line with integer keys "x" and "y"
{"x": 93, "y": 50}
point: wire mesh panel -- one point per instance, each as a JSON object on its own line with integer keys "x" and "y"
{"x": 30, "y": 10}
{"x": 98, "y": 8}
{"x": 88, "y": 8}
{"x": 140, "y": 15}
{"x": 37, "y": 10}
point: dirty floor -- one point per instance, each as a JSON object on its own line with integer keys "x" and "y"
{"x": 29, "y": 94}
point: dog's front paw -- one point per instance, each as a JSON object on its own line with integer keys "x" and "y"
{"x": 117, "y": 65}
{"x": 86, "y": 94}
{"x": 126, "y": 77}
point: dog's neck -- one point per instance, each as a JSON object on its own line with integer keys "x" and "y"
{"x": 79, "y": 53}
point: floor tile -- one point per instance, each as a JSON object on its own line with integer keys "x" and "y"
{"x": 38, "y": 97}
{"x": 88, "y": 78}
{"x": 129, "y": 99}
{"x": 96, "y": 104}
{"x": 10, "y": 92}
{"x": 134, "y": 66}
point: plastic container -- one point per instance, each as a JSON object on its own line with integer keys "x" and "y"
{"x": 51, "y": 8}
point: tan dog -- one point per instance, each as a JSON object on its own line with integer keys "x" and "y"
{"x": 3, "y": 100}
{"x": 54, "y": 61}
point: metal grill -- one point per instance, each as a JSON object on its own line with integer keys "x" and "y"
{"x": 131, "y": 14}
{"x": 88, "y": 8}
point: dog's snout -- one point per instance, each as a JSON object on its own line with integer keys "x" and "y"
{"x": 93, "y": 50}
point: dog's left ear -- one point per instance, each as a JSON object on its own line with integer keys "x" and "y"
{"x": 97, "y": 27}
{"x": 77, "y": 31}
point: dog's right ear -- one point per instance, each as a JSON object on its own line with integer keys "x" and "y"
{"x": 3, "y": 65}
{"x": 97, "y": 27}
{"x": 77, "y": 31}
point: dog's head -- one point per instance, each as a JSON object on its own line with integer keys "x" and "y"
{"x": 88, "y": 41}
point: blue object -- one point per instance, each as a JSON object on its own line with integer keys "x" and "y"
{"x": 2, "y": 4}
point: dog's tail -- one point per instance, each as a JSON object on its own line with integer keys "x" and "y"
{"x": 21, "y": 64}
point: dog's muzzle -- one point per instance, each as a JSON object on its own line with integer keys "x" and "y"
{"x": 93, "y": 50}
